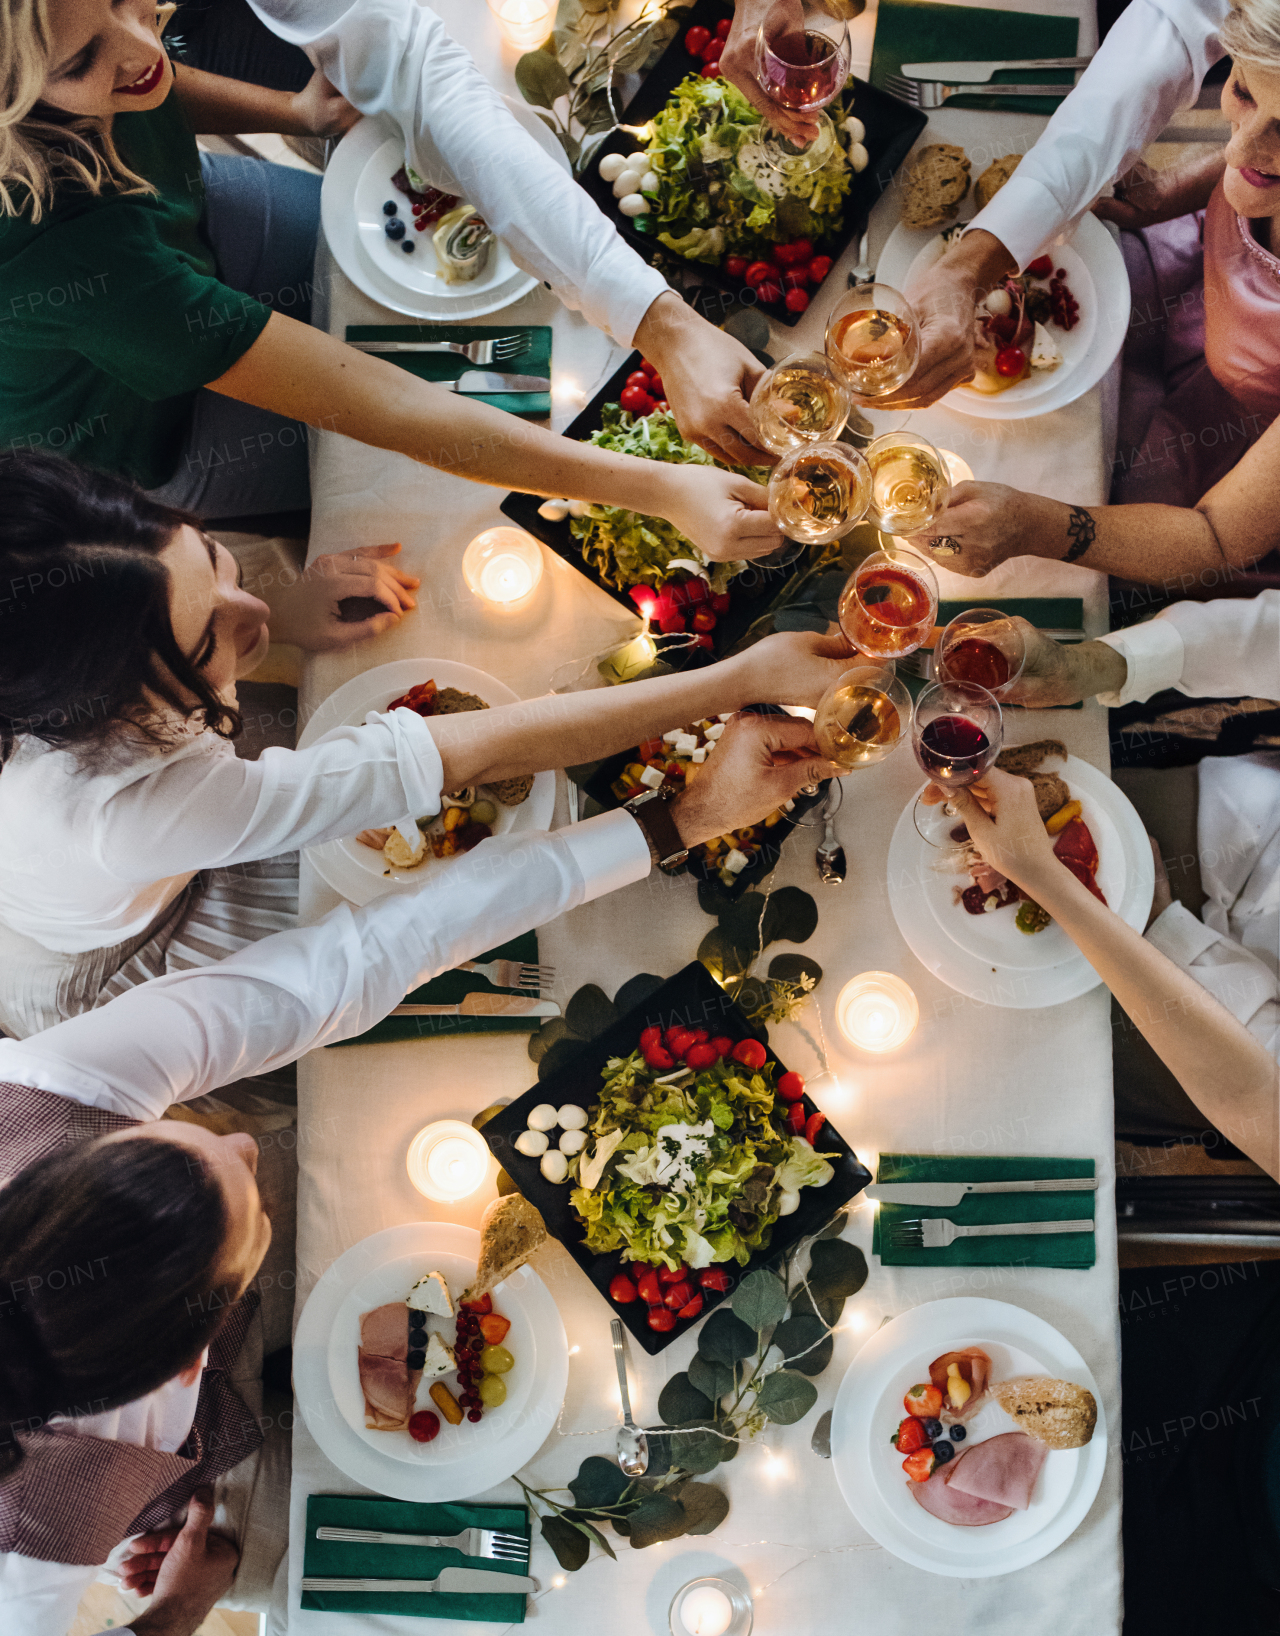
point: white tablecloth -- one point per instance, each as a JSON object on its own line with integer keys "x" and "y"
{"x": 972, "y": 1080}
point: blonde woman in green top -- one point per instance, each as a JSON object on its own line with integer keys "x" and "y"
{"x": 113, "y": 315}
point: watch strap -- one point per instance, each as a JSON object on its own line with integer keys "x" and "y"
{"x": 651, "y": 810}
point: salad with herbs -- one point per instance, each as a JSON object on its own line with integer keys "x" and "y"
{"x": 694, "y": 1152}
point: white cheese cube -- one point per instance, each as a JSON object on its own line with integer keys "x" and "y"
{"x": 440, "y": 1360}
{"x": 686, "y": 744}
{"x": 713, "y": 733}
{"x": 652, "y": 779}
{"x": 725, "y": 715}
{"x": 735, "y": 862}
{"x": 700, "y": 754}
{"x": 673, "y": 735}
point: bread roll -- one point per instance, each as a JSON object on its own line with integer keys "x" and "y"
{"x": 993, "y": 178}
{"x": 1055, "y": 1412}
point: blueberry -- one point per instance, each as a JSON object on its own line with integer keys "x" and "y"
{"x": 943, "y": 1451}
{"x": 415, "y": 1360}
{"x": 417, "y": 1335}
{"x": 394, "y": 228}
{"x": 958, "y": 1434}
{"x": 932, "y": 1429}
{"x": 389, "y": 209}
{"x": 407, "y": 245}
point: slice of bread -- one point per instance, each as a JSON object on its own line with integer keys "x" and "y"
{"x": 512, "y": 791}
{"x": 1051, "y": 793}
{"x": 935, "y": 185}
{"x": 1024, "y": 759}
{"x": 451, "y": 701}
{"x": 993, "y": 179}
{"x": 1055, "y": 1412}
{"x": 511, "y": 1229}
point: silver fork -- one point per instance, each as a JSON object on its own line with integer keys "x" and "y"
{"x": 928, "y": 94}
{"x": 511, "y": 973}
{"x": 862, "y": 272}
{"x": 919, "y": 663}
{"x": 934, "y": 1233}
{"x": 500, "y": 349}
{"x": 493, "y": 1544}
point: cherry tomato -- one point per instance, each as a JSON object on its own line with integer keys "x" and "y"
{"x": 791, "y": 255}
{"x": 649, "y": 1037}
{"x": 636, "y": 400}
{"x": 621, "y": 1289}
{"x": 711, "y": 51}
{"x": 655, "y": 388}
{"x": 637, "y": 377}
{"x": 704, "y": 620}
{"x": 703, "y": 640}
{"x": 695, "y": 40}
{"x": 644, "y": 597}
{"x": 679, "y": 1040}
{"x": 735, "y": 266}
{"x": 648, "y": 368}
{"x": 671, "y": 623}
{"x": 723, "y": 27}
{"x": 1010, "y": 361}
{"x": 697, "y": 590}
{"x": 672, "y": 1275}
{"x": 678, "y": 1295}
{"x": 691, "y": 1309}
{"x": 813, "y": 1125}
{"x": 701, "y": 1034}
{"x": 657, "y": 1057}
{"x": 795, "y": 278}
{"x": 713, "y": 61}
{"x": 649, "y": 1290}
{"x": 482, "y": 1303}
{"x": 819, "y": 267}
{"x": 710, "y": 71}
{"x": 750, "y": 1053}
{"x": 715, "y": 1278}
{"x": 701, "y": 1056}
{"x": 759, "y": 272}
{"x": 924, "y": 1401}
{"x": 494, "y": 1328}
{"x": 651, "y": 747}
{"x": 639, "y": 1268}
{"x": 919, "y": 1466}
{"x": 662, "y": 407}
{"x": 1041, "y": 267}
{"x": 662, "y": 1319}
{"x": 769, "y": 293}
{"x": 796, "y": 1117}
{"x": 791, "y": 1086}
{"x": 797, "y": 300}
{"x": 720, "y": 602}
{"x": 424, "y": 1426}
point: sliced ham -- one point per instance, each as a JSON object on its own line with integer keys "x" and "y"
{"x": 385, "y": 1330}
{"x": 938, "y": 1498}
{"x": 975, "y": 1367}
{"x": 388, "y": 1399}
{"x": 1003, "y": 1470}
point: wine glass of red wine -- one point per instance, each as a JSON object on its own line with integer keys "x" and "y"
{"x": 981, "y": 645}
{"x": 804, "y": 72}
{"x": 957, "y": 734}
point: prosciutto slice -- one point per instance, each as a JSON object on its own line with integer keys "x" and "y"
{"x": 386, "y": 1380}
{"x": 1076, "y": 848}
{"x": 1003, "y": 1470}
{"x": 975, "y": 1367}
{"x": 939, "y": 1499}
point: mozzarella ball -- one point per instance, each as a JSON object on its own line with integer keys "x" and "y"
{"x": 998, "y": 303}
{"x": 579, "y": 508}
{"x": 543, "y": 1117}
{"x": 555, "y": 1167}
{"x": 611, "y": 167}
{"x": 627, "y": 181}
{"x": 532, "y": 1143}
{"x": 788, "y": 1203}
{"x": 555, "y": 511}
{"x": 856, "y": 130}
{"x": 859, "y": 158}
{"x": 572, "y": 1117}
{"x": 635, "y": 204}
{"x": 649, "y": 182}
{"x": 573, "y": 1141}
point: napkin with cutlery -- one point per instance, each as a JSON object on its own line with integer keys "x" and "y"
{"x": 1056, "y": 1250}
{"x": 451, "y": 988}
{"x": 449, "y": 366}
{"x": 923, "y": 31}
{"x": 341, "y": 1559}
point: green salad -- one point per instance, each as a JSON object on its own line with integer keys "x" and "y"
{"x": 626, "y": 548}
{"x": 689, "y": 1167}
{"x": 716, "y": 197}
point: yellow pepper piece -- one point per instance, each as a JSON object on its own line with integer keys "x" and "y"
{"x": 634, "y": 770}
{"x": 773, "y": 818}
{"x": 1063, "y": 817}
{"x": 454, "y": 818}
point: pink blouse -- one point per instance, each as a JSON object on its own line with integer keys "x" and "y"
{"x": 1242, "y": 310}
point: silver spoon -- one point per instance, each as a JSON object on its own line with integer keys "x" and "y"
{"x": 830, "y": 858}
{"x": 632, "y": 1444}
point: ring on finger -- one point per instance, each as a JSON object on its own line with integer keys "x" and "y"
{"x": 945, "y": 545}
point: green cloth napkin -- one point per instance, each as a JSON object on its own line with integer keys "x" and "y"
{"x": 925, "y": 31}
{"x": 1054, "y": 613}
{"x": 449, "y": 988}
{"x": 448, "y": 366}
{"x": 331, "y": 1559}
{"x": 1051, "y": 1250}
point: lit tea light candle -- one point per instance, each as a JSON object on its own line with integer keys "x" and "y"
{"x": 503, "y": 565}
{"x": 959, "y": 471}
{"x": 524, "y": 24}
{"x": 447, "y": 1161}
{"x": 877, "y": 1011}
{"x": 706, "y": 1611}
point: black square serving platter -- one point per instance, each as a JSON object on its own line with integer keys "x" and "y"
{"x": 892, "y": 129}
{"x": 693, "y": 998}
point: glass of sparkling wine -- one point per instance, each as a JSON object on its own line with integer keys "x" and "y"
{"x": 818, "y": 492}
{"x": 799, "y": 401}
{"x": 890, "y": 602}
{"x": 803, "y": 72}
{"x": 957, "y": 734}
{"x": 873, "y": 341}
{"x": 863, "y": 716}
{"x": 981, "y": 645}
{"x": 909, "y": 482}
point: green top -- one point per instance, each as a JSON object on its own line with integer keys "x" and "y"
{"x": 112, "y": 314}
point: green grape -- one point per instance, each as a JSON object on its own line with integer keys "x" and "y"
{"x": 492, "y": 1390}
{"x": 496, "y": 1360}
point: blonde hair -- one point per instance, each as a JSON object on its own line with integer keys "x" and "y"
{"x": 1252, "y": 33}
{"x": 40, "y": 147}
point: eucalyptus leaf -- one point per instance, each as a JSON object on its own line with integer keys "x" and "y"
{"x": 835, "y": 1226}
{"x": 680, "y": 1402}
{"x": 729, "y": 1444}
{"x": 837, "y": 1269}
{"x": 596, "y": 117}
{"x": 828, "y": 1310}
{"x": 705, "y": 1507}
{"x": 760, "y": 1300}
{"x": 634, "y": 53}
{"x": 750, "y": 326}
{"x": 661, "y": 1451}
{"x": 599, "y": 1482}
{"x": 791, "y": 917}
{"x": 786, "y": 1397}
{"x": 754, "y": 995}
{"x": 724, "y": 1338}
{"x": 559, "y": 1056}
{"x": 590, "y": 1011}
{"x": 635, "y": 991}
{"x": 805, "y": 1343}
{"x": 741, "y": 920}
{"x": 584, "y": 1520}
{"x": 541, "y": 79}
{"x": 721, "y": 956}
{"x": 698, "y": 1449}
{"x": 656, "y": 1518}
{"x": 571, "y": 1545}
{"x": 800, "y": 617}
{"x": 713, "y": 898}
{"x": 790, "y": 968}
{"x": 555, "y": 1028}
{"x": 710, "y": 1378}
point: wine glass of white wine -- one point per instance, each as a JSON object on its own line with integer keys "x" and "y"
{"x": 863, "y": 716}
{"x": 819, "y": 491}
{"x": 910, "y": 484}
{"x": 873, "y": 341}
{"x": 799, "y": 401}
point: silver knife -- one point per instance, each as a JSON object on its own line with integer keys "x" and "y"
{"x": 977, "y": 73}
{"x": 482, "y": 380}
{"x": 946, "y": 1194}
{"x": 462, "y": 1581}
{"x": 483, "y": 1005}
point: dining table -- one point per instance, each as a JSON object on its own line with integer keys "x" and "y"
{"x": 974, "y": 1079}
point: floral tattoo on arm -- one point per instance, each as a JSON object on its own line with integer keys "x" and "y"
{"x": 1082, "y": 530}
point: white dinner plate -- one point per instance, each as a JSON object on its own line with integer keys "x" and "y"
{"x": 447, "y": 1476}
{"x": 392, "y": 1280}
{"x": 869, "y": 1406}
{"x": 985, "y": 956}
{"x": 359, "y": 872}
{"x": 356, "y": 185}
{"x": 1099, "y": 281}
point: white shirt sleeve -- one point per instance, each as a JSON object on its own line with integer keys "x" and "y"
{"x": 209, "y": 809}
{"x": 1245, "y": 985}
{"x": 1151, "y": 63}
{"x": 183, "y": 1035}
{"x": 40, "y": 1598}
{"x": 396, "y": 57}
{"x": 1208, "y": 650}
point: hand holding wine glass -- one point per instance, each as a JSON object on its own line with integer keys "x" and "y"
{"x": 799, "y": 401}
{"x": 800, "y": 70}
{"x": 957, "y": 734}
{"x": 873, "y": 341}
{"x": 985, "y": 646}
{"x": 863, "y": 716}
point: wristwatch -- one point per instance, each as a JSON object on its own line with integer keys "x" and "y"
{"x": 651, "y": 811}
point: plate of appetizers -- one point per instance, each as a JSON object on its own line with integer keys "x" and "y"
{"x": 1061, "y": 322}
{"x": 973, "y": 929}
{"x": 454, "y": 270}
{"x": 968, "y": 1437}
{"x": 358, "y": 1378}
{"x": 366, "y": 865}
